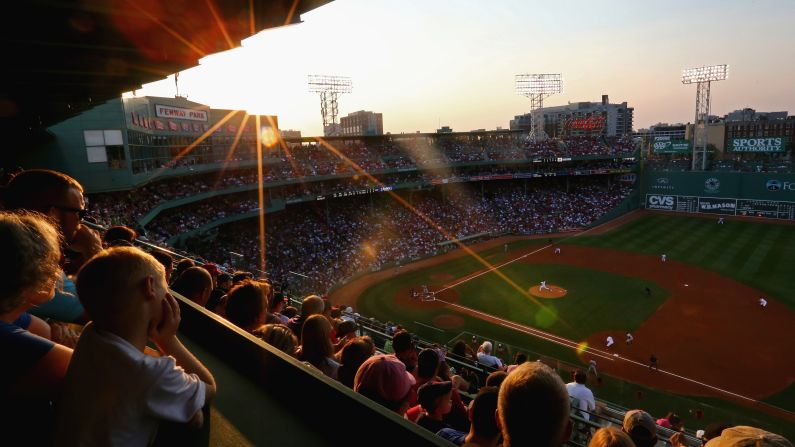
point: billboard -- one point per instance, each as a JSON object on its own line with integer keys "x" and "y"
{"x": 767, "y": 144}
{"x": 665, "y": 145}
{"x": 724, "y": 206}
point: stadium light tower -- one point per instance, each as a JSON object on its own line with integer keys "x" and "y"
{"x": 537, "y": 87}
{"x": 702, "y": 77}
{"x": 329, "y": 88}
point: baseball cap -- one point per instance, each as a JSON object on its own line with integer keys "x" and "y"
{"x": 212, "y": 268}
{"x": 384, "y": 376}
{"x": 745, "y": 436}
{"x": 635, "y": 419}
{"x": 428, "y": 393}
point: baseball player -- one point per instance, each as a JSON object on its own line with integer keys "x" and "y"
{"x": 609, "y": 341}
{"x": 664, "y": 257}
{"x": 653, "y": 363}
{"x": 763, "y": 302}
{"x": 592, "y": 368}
{"x": 557, "y": 250}
{"x": 543, "y": 286}
{"x": 629, "y": 338}
{"x": 721, "y": 221}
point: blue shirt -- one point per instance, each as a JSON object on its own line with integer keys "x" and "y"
{"x": 22, "y": 350}
{"x": 64, "y": 306}
{"x": 452, "y": 435}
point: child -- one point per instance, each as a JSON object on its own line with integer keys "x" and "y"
{"x": 436, "y": 399}
{"x": 114, "y": 394}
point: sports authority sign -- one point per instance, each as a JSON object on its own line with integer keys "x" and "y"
{"x": 768, "y": 144}
{"x": 180, "y": 113}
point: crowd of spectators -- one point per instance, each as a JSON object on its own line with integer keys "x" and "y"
{"x": 329, "y": 241}
{"x": 127, "y": 207}
{"x": 128, "y": 371}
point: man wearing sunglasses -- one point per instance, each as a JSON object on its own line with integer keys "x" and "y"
{"x": 59, "y": 197}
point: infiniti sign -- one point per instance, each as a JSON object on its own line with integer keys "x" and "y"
{"x": 778, "y": 185}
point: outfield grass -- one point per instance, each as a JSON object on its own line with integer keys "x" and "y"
{"x": 760, "y": 255}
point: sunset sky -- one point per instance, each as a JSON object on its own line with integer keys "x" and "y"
{"x": 423, "y": 63}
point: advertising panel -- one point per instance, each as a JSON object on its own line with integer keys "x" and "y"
{"x": 665, "y": 145}
{"x": 713, "y": 205}
{"x": 752, "y": 144}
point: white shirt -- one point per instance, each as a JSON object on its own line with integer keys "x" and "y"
{"x": 489, "y": 360}
{"x": 609, "y": 340}
{"x": 762, "y": 302}
{"x": 630, "y": 337}
{"x": 116, "y": 395}
{"x": 584, "y": 396}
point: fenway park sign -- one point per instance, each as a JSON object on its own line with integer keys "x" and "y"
{"x": 178, "y": 112}
{"x": 769, "y": 144}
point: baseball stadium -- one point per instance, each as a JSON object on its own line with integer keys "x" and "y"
{"x": 285, "y": 284}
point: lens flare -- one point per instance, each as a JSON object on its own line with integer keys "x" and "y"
{"x": 546, "y": 316}
{"x": 582, "y": 347}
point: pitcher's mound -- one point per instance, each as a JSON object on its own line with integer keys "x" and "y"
{"x": 553, "y": 292}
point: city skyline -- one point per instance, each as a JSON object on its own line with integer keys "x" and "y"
{"x": 453, "y": 63}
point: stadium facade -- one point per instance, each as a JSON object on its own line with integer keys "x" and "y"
{"x": 126, "y": 142}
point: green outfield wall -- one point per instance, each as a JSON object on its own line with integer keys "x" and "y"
{"x": 770, "y": 195}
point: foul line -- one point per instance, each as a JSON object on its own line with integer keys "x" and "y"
{"x": 430, "y": 327}
{"x": 496, "y": 267}
{"x": 593, "y": 351}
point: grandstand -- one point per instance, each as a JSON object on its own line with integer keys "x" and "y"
{"x": 282, "y": 228}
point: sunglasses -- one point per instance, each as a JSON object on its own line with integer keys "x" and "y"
{"x": 81, "y": 212}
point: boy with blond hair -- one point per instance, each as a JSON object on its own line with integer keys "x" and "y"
{"x": 114, "y": 393}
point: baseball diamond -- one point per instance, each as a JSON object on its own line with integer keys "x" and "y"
{"x": 707, "y": 290}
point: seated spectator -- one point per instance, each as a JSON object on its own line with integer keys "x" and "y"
{"x": 671, "y": 421}
{"x": 345, "y": 332}
{"x": 119, "y": 236}
{"x": 640, "y": 426}
{"x": 712, "y": 431}
{"x": 276, "y": 307}
{"x": 463, "y": 351}
{"x": 311, "y": 305}
{"x": 743, "y": 435}
{"x": 222, "y": 287}
{"x": 518, "y": 360}
{"x": 581, "y": 396}
{"x": 316, "y": 346}
{"x": 405, "y": 350}
{"x": 166, "y": 259}
{"x": 181, "y": 266}
{"x": 483, "y": 430}
{"x": 104, "y": 402}
{"x": 384, "y": 380}
{"x": 533, "y": 407}
{"x": 33, "y": 368}
{"x": 279, "y": 336}
{"x": 436, "y": 401}
{"x": 240, "y": 276}
{"x": 290, "y": 312}
{"x": 485, "y": 357}
{"x": 195, "y": 284}
{"x": 351, "y": 357}
{"x": 496, "y": 378}
{"x": 60, "y": 198}
{"x": 610, "y": 437}
{"x": 247, "y": 304}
